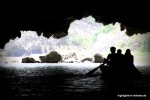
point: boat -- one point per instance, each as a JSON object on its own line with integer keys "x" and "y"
{"x": 107, "y": 72}
{"x": 119, "y": 73}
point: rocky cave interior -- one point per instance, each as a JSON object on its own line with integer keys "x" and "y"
{"x": 53, "y": 19}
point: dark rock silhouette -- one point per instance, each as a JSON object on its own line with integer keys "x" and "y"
{"x": 98, "y": 58}
{"x": 87, "y": 59}
{"x": 52, "y": 57}
{"x": 42, "y": 58}
{"x": 28, "y": 60}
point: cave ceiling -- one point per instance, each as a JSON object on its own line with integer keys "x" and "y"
{"x": 55, "y": 19}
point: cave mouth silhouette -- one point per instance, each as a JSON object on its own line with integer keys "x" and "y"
{"x": 53, "y": 18}
{"x": 85, "y": 35}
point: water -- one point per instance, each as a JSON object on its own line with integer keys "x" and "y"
{"x": 66, "y": 81}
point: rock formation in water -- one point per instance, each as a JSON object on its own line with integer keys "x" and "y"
{"x": 28, "y": 60}
{"x": 52, "y": 57}
{"x": 87, "y": 59}
{"x": 98, "y": 58}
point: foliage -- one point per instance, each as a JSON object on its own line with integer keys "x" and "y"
{"x": 3, "y": 53}
{"x": 106, "y": 29}
{"x": 83, "y": 35}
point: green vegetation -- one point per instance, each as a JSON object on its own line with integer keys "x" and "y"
{"x": 138, "y": 43}
{"x": 111, "y": 35}
{"x": 84, "y": 36}
{"x": 3, "y": 53}
{"x": 107, "y": 28}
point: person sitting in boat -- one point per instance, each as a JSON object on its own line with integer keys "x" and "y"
{"x": 111, "y": 58}
{"x": 128, "y": 58}
{"x": 110, "y": 62}
{"x": 119, "y": 66}
{"x": 107, "y": 65}
{"x": 119, "y": 57}
{"x": 129, "y": 63}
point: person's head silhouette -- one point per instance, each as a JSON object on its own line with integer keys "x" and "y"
{"x": 128, "y": 52}
{"x": 119, "y": 51}
{"x": 113, "y": 50}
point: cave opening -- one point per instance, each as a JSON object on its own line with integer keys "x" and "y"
{"x": 86, "y": 37}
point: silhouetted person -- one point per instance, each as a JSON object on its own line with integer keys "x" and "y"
{"x": 129, "y": 58}
{"x": 111, "y": 58}
{"x": 119, "y": 57}
{"x": 129, "y": 64}
{"x": 119, "y": 69}
{"x": 107, "y": 71}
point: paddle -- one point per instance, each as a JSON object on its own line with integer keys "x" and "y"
{"x": 93, "y": 70}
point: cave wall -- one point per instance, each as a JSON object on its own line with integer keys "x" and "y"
{"x": 55, "y": 18}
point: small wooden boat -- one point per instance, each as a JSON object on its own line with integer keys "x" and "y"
{"x": 125, "y": 73}
{"x": 113, "y": 73}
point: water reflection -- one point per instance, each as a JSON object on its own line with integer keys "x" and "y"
{"x": 70, "y": 87}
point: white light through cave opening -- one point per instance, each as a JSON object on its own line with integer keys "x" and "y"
{"x": 86, "y": 37}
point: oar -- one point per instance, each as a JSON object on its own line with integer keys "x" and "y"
{"x": 93, "y": 70}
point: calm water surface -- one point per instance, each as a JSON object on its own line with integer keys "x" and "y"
{"x": 51, "y": 82}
